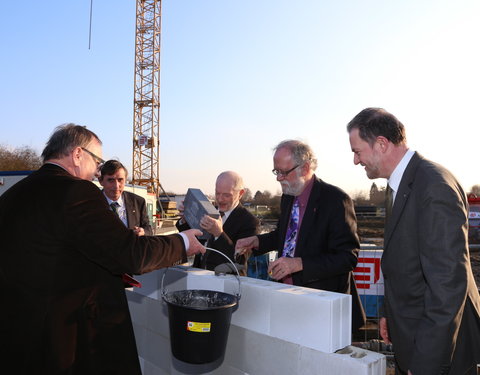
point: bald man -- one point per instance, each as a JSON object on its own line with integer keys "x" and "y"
{"x": 235, "y": 222}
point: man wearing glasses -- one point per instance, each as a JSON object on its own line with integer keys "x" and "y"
{"x": 316, "y": 235}
{"x": 65, "y": 307}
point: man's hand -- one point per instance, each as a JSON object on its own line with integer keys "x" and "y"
{"x": 139, "y": 231}
{"x": 384, "y": 330}
{"x": 245, "y": 245}
{"x": 284, "y": 266}
{"x": 211, "y": 225}
{"x": 194, "y": 247}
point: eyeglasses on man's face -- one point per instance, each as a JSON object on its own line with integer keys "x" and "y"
{"x": 279, "y": 173}
{"x": 98, "y": 160}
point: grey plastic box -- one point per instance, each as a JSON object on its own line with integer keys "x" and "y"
{"x": 195, "y": 205}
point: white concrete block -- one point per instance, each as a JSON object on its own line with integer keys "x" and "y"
{"x": 150, "y": 369}
{"x": 204, "y": 280}
{"x": 140, "y": 337}
{"x": 308, "y": 317}
{"x": 256, "y": 353}
{"x": 149, "y": 283}
{"x": 254, "y": 308}
{"x": 137, "y": 306}
{"x": 157, "y": 351}
{"x": 157, "y": 317}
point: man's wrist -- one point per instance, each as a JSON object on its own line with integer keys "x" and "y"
{"x": 186, "y": 242}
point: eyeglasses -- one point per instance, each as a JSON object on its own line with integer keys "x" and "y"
{"x": 96, "y": 158}
{"x": 279, "y": 173}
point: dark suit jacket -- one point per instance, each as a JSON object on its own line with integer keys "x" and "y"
{"x": 62, "y": 251}
{"x": 327, "y": 242}
{"x": 136, "y": 208}
{"x": 432, "y": 304}
{"x": 240, "y": 223}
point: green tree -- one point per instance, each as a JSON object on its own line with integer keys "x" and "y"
{"x": 19, "y": 159}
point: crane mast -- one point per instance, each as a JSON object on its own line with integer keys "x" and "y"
{"x": 146, "y": 121}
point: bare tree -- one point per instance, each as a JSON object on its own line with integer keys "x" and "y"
{"x": 360, "y": 197}
{"x": 247, "y": 196}
{"x": 19, "y": 159}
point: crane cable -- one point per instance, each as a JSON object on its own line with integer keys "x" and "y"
{"x": 90, "y": 26}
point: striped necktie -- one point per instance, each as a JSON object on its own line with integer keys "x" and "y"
{"x": 114, "y": 206}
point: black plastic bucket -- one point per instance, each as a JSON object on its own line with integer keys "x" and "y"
{"x": 199, "y": 322}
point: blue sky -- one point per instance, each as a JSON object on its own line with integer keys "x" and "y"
{"x": 237, "y": 77}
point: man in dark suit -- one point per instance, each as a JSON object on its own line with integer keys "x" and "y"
{"x": 316, "y": 236}
{"x": 64, "y": 307}
{"x": 130, "y": 208}
{"x": 235, "y": 222}
{"x": 432, "y": 305}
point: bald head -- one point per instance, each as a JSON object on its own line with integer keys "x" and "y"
{"x": 228, "y": 190}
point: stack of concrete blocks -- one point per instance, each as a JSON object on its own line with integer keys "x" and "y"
{"x": 277, "y": 328}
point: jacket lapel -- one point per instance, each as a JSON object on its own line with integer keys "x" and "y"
{"x": 309, "y": 215}
{"x": 401, "y": 198}
{"x": 128, "y": 208}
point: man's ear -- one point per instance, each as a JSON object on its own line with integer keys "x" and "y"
{"x": 383, "y": 143}
{"x": 76, "y": 155}
{"x": 240, "y": 194}
{"x": 305, "y": 168}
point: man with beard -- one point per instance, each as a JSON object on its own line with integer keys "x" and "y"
{"x": 316, "y": 236}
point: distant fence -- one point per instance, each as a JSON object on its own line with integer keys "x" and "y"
{"x": 369, "y": 211}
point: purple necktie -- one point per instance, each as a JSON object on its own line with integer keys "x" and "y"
{"x": 291, "y": 237}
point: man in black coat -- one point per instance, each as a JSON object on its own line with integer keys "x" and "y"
{"x": 130, "y": 208}
{"x": 316, "y": 236}
{"x": 62, "y": 255}
{"x": 235, "y": 222}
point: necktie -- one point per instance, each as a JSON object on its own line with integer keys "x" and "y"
{"x": 114, "y": 206}
{"x": 292, "y": 230}
{"x": 388, "y": 202}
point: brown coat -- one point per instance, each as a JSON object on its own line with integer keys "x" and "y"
{"x": 64, "y": 308}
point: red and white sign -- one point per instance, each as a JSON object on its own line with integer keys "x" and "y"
{"x": 368, "y": 274}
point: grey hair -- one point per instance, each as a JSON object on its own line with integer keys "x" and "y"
{"x": 301, "y": 152}
{"x": 65, "y": 138}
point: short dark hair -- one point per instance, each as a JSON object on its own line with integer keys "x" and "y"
{"x": 374, "y": 122}
{"x": 111, "y": 167}
{"x": 65, "y": 138}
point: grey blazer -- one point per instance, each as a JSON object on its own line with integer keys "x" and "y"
{"x": 432, "y": 304}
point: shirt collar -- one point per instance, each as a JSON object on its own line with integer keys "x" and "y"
{"x": 397, "y": 174}
{"x": 58, "y": 165}
{"x": 119, "y": 200}
{"x": 226, "y": 214}
{"x": 303, "y": 197}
